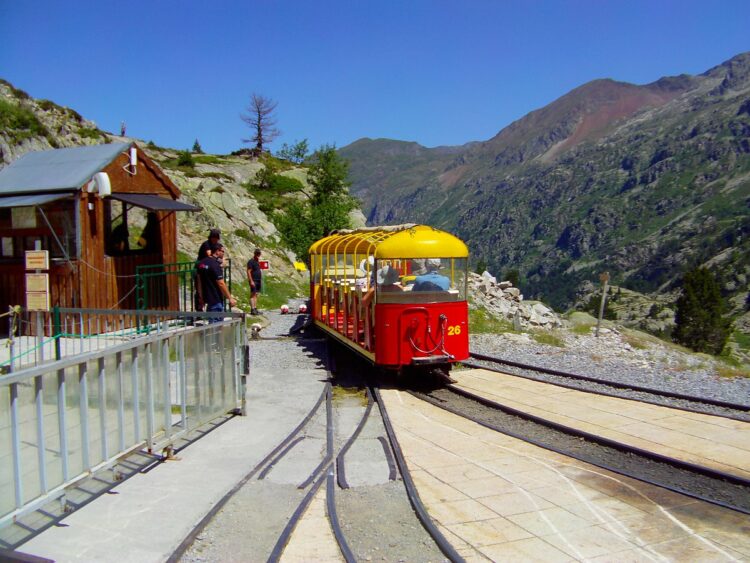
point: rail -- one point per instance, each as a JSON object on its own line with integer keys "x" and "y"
{"x": 60, "y": 421}
{"x": 154, "y": 282}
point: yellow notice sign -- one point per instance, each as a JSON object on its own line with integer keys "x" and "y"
{"x": 37, "y": 301}
{"x": 37, "y": 283}
{"x": 37, "y": 259}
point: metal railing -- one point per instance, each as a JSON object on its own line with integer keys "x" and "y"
{"x": 37, "y": 337}
{"x": 63, "y": 420}
{"x": 153, "y": 281}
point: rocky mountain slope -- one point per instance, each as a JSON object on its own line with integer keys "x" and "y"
{"x": 221, "y": 185}
{"x": 641, "y": 181}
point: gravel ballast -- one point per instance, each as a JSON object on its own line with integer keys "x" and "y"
{"x": 611, "y": 357}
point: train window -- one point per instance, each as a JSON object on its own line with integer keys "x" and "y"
{"x": 421, "y": 280}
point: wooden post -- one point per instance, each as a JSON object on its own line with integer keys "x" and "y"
{"x": 604, "y": 278}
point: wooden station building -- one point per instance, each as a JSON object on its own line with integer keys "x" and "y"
{"x": 100, "y": 211}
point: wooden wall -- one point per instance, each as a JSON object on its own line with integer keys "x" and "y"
{"x": 106, "y": 280}
{"x": 99, "y": 281}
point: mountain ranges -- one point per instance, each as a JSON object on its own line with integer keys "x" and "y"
{"x": 643, "y": 182}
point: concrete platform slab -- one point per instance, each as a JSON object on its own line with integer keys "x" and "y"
{"x": 553, "y": 508}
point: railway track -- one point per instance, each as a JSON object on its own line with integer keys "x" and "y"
{"x": 694, "y": 480}
{"x": 690, "y": 403}
{"x": 366, "y": 519}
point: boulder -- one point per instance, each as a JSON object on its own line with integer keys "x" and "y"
{"x": 489, "y": 277}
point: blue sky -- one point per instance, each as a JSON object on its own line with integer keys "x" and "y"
{"x": 436, "y": 72}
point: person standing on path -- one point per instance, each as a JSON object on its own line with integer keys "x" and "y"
{"x": 254, "y": 277}
{"x": 212, "y": 286}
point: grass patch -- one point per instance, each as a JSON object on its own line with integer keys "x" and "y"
{"x": 207, "y": 159}
{"x": 217, "y": 176}
{"x": 549, "y": 339}
{"x": 89, "y": 133}
{"x": 184, "y": 257}
{"x": 275, "y": 293}
{"x": 244, "y": 234}
{"x": 742, "y": 340}
{"x": 582, "y": 329}
{"x": 17, "y": 92}
{"x": 276, "y": 195}
{"x": 635, "y": 342}
{"x": 731, "y": 372}
{"x": 20, "y": 123}
{"x": 481, "y": 322}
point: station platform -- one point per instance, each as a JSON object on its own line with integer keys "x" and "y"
{"x": 711, "y": 441}
{"x": 501, "y": 499}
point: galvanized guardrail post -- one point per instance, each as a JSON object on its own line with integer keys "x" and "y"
{"x": 141, "y": 378}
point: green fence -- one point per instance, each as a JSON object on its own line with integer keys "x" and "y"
{"x": 152, "y": 283}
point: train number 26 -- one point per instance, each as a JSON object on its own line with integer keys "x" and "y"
{"x": 454, "y": 329}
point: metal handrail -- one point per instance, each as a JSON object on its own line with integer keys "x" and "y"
{"x": 185, "y": 272}
{"x": 108, "y": 402}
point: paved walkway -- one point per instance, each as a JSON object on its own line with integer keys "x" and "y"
{"x": 711, "y": 441}
{"x": 494, "y": 497}
{"x": 146, "y": 517}
{"x": 502, "y": 499}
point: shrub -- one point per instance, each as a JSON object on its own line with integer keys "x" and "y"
{"x": 20, "y": 122}
{"x": 48, "y": 105}
{"x": 74, "y": 114}
{"x": 296, "y": 153}
{"x": 88, "y": 133}
{"x": 513, "y": 276}
{"x": 285, "y": 184}
{"x": 185, "y": 159}
{"x": 700, "y": 322}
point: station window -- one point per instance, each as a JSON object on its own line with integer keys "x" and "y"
{"x": 132, "y": 230}
{"x": 25, "y": 228}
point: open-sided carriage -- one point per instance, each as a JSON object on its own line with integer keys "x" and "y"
{"x": 396, "y": 294}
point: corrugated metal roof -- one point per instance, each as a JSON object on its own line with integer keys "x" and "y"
{"x": 30, "y": 199}
{"x": 57, "y": 169}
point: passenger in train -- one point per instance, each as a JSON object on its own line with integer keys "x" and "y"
{"x": 432, "y": 280}
{"x": 388, "y": 279}
{"x": 363, "y": 281}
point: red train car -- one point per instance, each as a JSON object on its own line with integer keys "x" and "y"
{"x": 397, "y": 295}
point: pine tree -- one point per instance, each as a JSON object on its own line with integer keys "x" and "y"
{"x": 197, "y": 147}
{"x": 700, "y": 322}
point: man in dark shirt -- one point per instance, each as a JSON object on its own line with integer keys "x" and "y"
{"x": 212, "y": 286}
{"x": 254, "y": 277}
{"x": 206, "y": 249}
{"x": 208, "y": 246}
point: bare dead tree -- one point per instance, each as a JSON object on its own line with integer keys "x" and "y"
{"x": 262, "y": 122}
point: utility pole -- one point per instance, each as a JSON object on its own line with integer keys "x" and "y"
{"x": 604, "y": 278}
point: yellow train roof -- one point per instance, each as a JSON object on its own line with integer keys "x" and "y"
{"x": 396, "y": 241}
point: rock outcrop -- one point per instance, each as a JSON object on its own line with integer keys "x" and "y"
{"x": 503, "y": 300}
